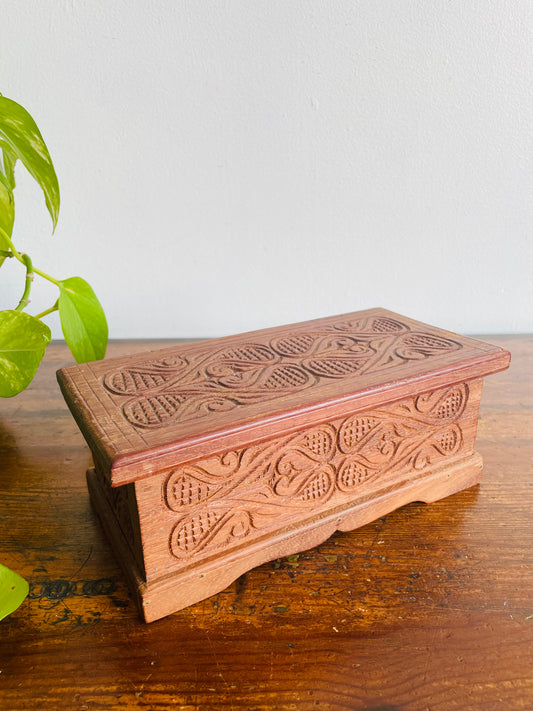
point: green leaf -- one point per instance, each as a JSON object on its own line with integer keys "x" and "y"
{"x": 4, "y": 181}
{"x": 9, "y": 165}
{"x": 23, "y": 341}
{"x": 21, "y": 139}
{"x": 82, "y": 320}
{"x": 7, "y": 210}
{"x": 13, "y": 590}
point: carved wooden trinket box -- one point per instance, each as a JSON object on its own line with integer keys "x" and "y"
{"x": 214, "y": 457}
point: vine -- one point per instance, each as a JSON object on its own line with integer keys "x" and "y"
{"x": 23, "y": 337}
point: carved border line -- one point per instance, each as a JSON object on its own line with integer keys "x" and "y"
{"x": 241, "y": 494}
{"x": 180, "y": 388}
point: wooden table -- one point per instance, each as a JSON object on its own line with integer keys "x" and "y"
{"x": 427, "y": 609}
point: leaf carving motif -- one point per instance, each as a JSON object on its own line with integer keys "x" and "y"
{"x": 180, "y": 389}
{"x": 154, "y": 410}
{"x": 241, "y": 494}
{"x": 333, "y": 367}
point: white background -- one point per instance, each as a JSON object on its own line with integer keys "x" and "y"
{"x": 231, "y": 165}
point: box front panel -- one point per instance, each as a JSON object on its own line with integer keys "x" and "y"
{"x": 225, "y": 504}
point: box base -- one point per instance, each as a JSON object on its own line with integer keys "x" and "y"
{"x": 171, "y": 593}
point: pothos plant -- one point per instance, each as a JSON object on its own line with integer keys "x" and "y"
{"x": 24, "y": 337}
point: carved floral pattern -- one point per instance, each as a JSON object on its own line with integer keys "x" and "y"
{"x": 181, "y": 388}
{"x": 239, "y": 495}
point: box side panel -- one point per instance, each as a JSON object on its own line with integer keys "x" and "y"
{"x": 122, "y": 506}
{"x": 225, "y": 504}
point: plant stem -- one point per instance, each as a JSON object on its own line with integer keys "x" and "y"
{"x": 47, "y": 277}
{"x": 4, "y": 254}
{"x": 7, "y": 238}
{"x": 25, "y": 300}
{"x": 48, "y": 311}
{"x": 20, "y": 257}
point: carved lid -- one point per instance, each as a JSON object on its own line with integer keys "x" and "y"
{"x": 147, "y": 412}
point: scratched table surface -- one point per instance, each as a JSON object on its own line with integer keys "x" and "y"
{"x": 427, "y": 609}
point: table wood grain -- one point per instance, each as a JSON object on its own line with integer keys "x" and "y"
{"x": 427, "y": 609}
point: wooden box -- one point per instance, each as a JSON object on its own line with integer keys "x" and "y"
{"x": 213, "y": 457}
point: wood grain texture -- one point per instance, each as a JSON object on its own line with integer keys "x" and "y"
{"x": 427, "y": 608}
{"x": 143, "y": 413}
{"x": 202, "y": 525}
{"x": 371, "y": 426}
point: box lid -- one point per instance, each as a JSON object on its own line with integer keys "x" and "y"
{"x": 143, "y": 413}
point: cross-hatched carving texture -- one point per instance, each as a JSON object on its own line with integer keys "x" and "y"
{"x": 242, "y": 494}
{"x": 163, "y": 392}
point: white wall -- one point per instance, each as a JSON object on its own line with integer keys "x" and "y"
{"x": 226, "y": 166}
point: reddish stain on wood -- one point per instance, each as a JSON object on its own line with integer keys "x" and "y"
{"x": 428, "y": 607}
{"x": 212, "y": 458}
